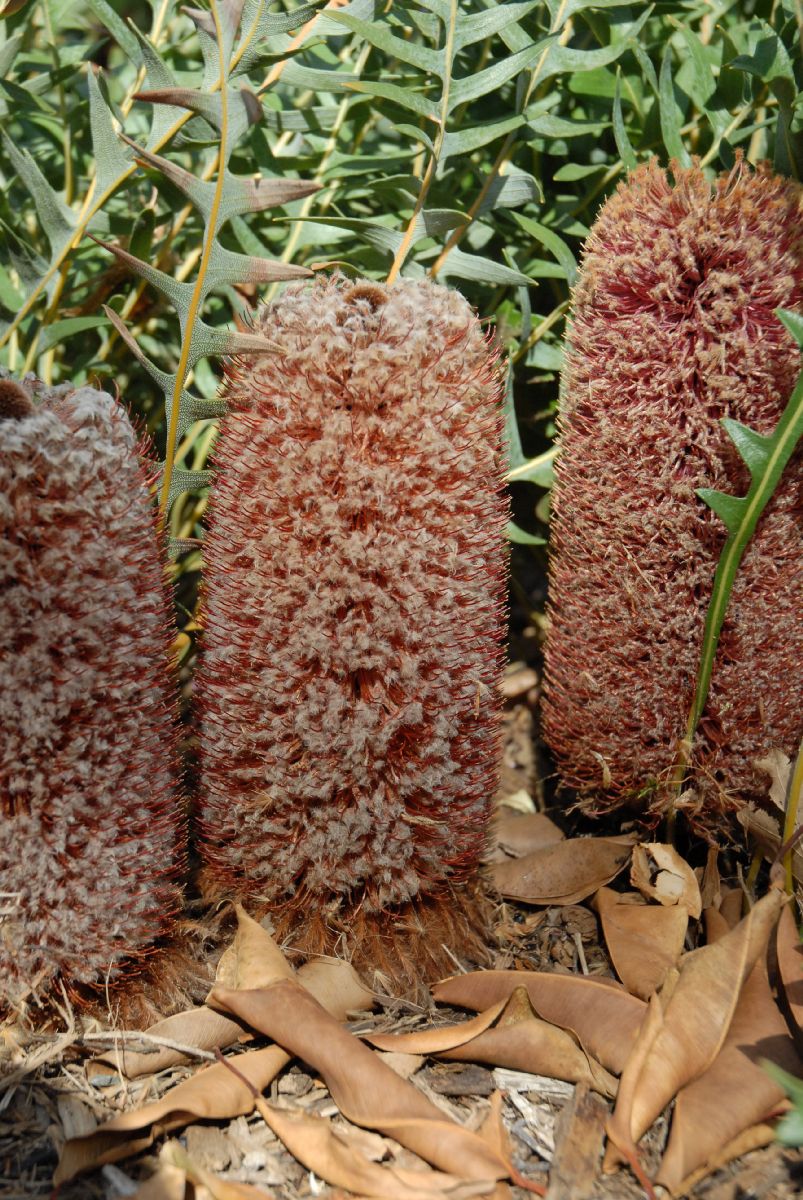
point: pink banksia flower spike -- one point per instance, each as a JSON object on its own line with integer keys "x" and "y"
{"x": 674, "y": 327}
{"x": 91, "y": 837}
{"x": 354, "y": 619}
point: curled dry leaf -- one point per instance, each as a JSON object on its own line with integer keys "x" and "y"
{"x": 508, "y": 1035}
{"x": 252, "y": 959}
{"x": 661, "y": 874}
{"x": 778, "y": 766}
{"x": 562, "y": 873}
{"x": 603, "y": 1017}
{"x": 644, "y": 940}
{"x": 321, "y": 1147}
{"x": 764, "y": 829}
{"x": 751, "y": 1139}
{"x": 365, "y": 1090}
{"x": 494, "y": 1132}
{"x": 710, "y": 882}
{"x": 790, "y": 971}
{"x": 735, "y": 1093}
{"x": 686, "y": 1025}
{"x": 213, "y": 1093}
{"x": 517, "y": 835}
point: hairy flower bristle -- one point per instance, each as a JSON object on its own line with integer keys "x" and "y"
{"x": 90, "y": 833}
{"x": 354, "y": 609}
{"x": 673, "y": 327}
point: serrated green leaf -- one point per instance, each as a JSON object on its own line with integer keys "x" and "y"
{"x": 117, "y": 27}
{"x": 790, "y": 1129}
{"x": 702, "y": 75}
{"x": 408, "y": 99}
{"x": 141, "y": 239}
{"x": 466, "y": 141}
{"x": 671, "y": 115}
{"x": 178, "y": 293}
{"x": 60, "y": 331}
{"x": 58, "y": 221}
{"x": 793, "y": 322}
{"x": 740, "y": 515}
{"x": 512, "y": 438}
{"x": 553, "y": 242}
{"x": 567, "y": 60}
{"x": 8, "y": 53}
{"x": 730, "y": 509}
{"x": 481, "y": 270}
{"x": 492, "y": 78}
{"x": 473, "y": 27}
{"x": 624, "y": 149}
{"x": 539, "y": 470}
{"x": 110, "y": 159}
{"x": 520, "y": 536}
{"x": 551, "y": 126}
{"x": 422, "y": 57}
{"x": 511, "y": 190}
{"x": 415, "y": 135}
{"x": 754, "y": 448}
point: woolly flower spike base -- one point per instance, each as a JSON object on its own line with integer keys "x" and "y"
{"x": 354, "y": 621}
{"x": 89, "y": 832}
{"x": 674, "y": 328}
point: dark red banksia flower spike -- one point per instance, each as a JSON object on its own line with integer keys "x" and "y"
{"x": 355, "y": 610}
{"x": 90, "y": 834}
{"x": 673, "y": 328}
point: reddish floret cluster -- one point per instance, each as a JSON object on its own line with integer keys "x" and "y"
{"x": 673, "y": 327}
{"x": 354, "y": 616}
{"x": 90, "y": 834}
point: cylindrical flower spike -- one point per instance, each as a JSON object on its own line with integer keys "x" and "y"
{"x": 91, "y": 839}
{"x": 673, "y": 328}
{"x": 355, "y": 612}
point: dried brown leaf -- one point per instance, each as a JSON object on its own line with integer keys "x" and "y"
{"x": 327, "y": 1151}
{"x": 687, "y": 1025}
{"x": 661, "y": 874}
{"x": 644, "y": 940}
{"x": 789, "y": 950}
{"x": 750, "y": 1139}
{"x": 519, "y": 835}
{"x": 778, "y": 766}
{"x": 508, "y": 1035}
{"x": 493, "y": 1131}
{"x": 213, "y": 1093}
{"x": 710, "y": 884}
{"x": 735, "y": 1093}
{"x": 765, "y": 830}
{"x": 365, "y": 1090}
{"x": 562, "y": 873}
{"x": 252, "y": 959}
{"x": 604, "y": 1018}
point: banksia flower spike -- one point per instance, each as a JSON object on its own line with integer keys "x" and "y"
{"x": 90, "y": 839}
{"x": 354, "y": 620}
{"x": 674, "y": 328}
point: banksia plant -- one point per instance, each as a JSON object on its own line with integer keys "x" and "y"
{"x": 90, "y": 833}
{"x": 355, "y": 573}
{"x": 674, "y": 328}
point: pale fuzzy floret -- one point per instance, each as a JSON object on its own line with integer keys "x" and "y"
{"x": 674, "y": 328}
{"x": 354, "y": 602}
{"x": 89, "y": 828}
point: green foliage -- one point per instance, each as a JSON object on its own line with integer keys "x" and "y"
{"x": 473, "y": 141}
{"x": 765, "y": 458}
{"x": 790, "y": 1129}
